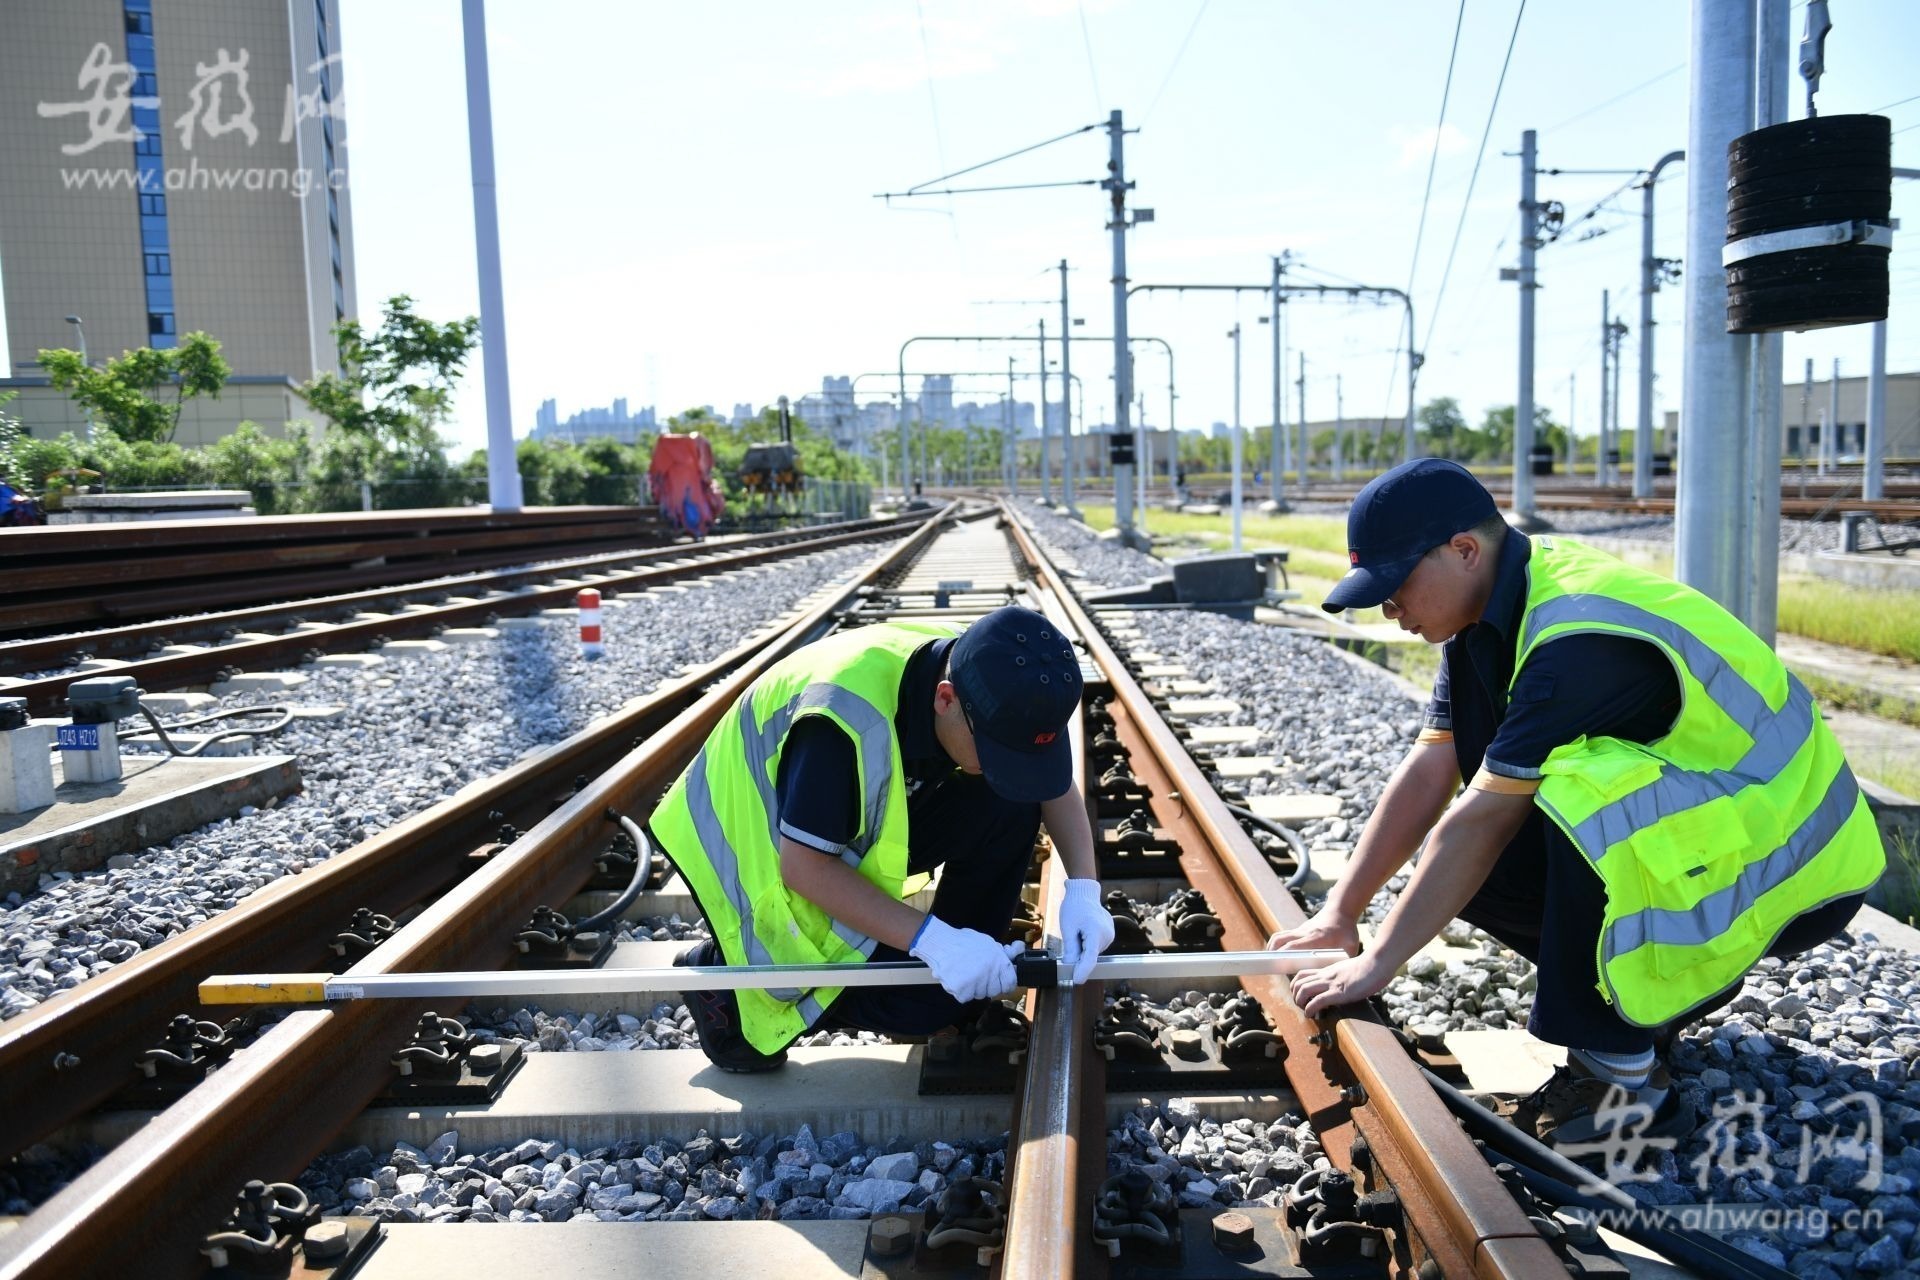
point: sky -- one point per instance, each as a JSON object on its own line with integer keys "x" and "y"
{"x": 687, "y": 211}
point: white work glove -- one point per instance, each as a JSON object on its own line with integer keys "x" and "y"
{"x": 1086, "y": 927}
{"x": 969, "y": 964}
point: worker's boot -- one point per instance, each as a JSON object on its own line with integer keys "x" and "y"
{"x": 716, "y": 1020}
{"x": 1576, "y": 1110}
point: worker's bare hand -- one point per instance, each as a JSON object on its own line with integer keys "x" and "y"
{"x": 1343, "y": 982}
{"x": 1325, "y": 928}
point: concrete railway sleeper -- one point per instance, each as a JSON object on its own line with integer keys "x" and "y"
{"x": 942, "y": 1183}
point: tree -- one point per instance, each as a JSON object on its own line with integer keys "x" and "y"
{"x": 395, "y": 386}
{"x": 1442, "y": 423}
{"x": 121, "y": 392}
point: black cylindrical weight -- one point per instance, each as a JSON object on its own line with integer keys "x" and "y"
{"x": 1783, "y": 144}
{"x": 1778, "y": 185}
{"x": 1810, "y": 211}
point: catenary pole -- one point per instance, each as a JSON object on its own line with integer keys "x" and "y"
{"x": 1830, "y": 437}
{"x": 503, "y": 466}
{"x": 1116, "y": 184}
{"x": 1300, "y": 406}
{"x": 1070, "y": 456}
{"x": 1651, "y": 269}
{"x": 1339, "y": 430}
{"x": 1606, "y": 356}
{"x": 1234, "y": 333}
{"x": 1276, "y": 479}
{"x": 1523, "y": 403}
{"x": 1712, "y": 533}
{"x": 1766, "y": 352}
{"x": 1046, "y": 467}
{"x": 1873, "y": 485}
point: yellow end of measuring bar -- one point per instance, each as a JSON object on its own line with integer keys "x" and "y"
{"x": 266, "y": 988}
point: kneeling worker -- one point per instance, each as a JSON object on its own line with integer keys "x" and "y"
{"x": 862, "y": 760}
{"x": 1652, "y": 804}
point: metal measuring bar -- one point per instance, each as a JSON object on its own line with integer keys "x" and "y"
{"x": 1031, "y": 969}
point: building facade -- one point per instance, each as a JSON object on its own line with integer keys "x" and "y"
{"x": 1805, "y": 406}
{"x": 171, "y": 166}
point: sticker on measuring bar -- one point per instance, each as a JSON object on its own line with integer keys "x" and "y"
{"x": 955, "y": 584}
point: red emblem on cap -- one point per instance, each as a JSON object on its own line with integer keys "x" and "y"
{"x": 1353, "y": 557}
{"x": 1042, "y": 739}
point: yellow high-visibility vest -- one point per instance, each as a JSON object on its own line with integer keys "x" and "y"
{"x": 720, "y": 824}
{"x": 1709, "y": 841}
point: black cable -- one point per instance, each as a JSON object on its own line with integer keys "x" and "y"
{"x": 285, "y": 713}
{"x": 642, "y": 872}
{"x": 1467, "y": 204}
{"x": 1292, "y": 837}
{"x": 1572, "y": 1185}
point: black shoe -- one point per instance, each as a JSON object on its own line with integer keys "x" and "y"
{"x": 716, "y": 1020}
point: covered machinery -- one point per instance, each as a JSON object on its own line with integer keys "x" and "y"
{"x": 681, "y": 480}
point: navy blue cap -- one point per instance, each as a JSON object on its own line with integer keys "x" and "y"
{"x": 1019, "y": 682}
{"x": 1398, "y": 518}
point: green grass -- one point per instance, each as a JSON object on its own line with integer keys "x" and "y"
{"x": 1869, "y": 619}
{"x": 1851, "y": 697}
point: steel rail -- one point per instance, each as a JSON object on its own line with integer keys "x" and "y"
{"x": 44, "y": 695}
{"x": 44, "y": 652}
{"x": 77, "y": 1049}
{"x": 1057, "y": 1147}
{"x": 145, "y": 1207}
{"x": 1358, "y": 1080}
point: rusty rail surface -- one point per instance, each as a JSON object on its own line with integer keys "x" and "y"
{"x": 46, "y": 652}
{"x": 1359, "y": 1081}
{"x": 145, "y": 1207}
{"x": 143, "y": 569}
{"x": 44, "y": 695}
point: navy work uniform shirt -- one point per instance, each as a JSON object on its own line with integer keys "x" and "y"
{"x": 1587, "y": 684}
{"x": 817, "y": 790}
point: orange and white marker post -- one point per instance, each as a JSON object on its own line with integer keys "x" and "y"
{"x": 589, "y": 602}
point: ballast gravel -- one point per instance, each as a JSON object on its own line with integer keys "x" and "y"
{"x": 412, "y": 731}
{"x": 770, "y": 1176}
{"x": 1806, "y": 1088}
{"x": 1100, "y": 562}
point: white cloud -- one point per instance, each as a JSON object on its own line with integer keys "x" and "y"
{"x": 1416, "y": 145}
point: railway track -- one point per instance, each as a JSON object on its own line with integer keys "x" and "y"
{"x": 64, "y": 576}
{"x": 304, "y": 1086}
{"x": 160, "y": 661}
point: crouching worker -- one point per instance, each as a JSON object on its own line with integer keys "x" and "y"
{"x": 861, "y": 762}
{"x": 1652, "y": 801}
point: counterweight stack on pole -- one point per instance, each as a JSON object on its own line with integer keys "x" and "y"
{"x": 503, "y": 465}
{"x": 1713, "y": 534}
{"x": 1652, "y": 270}
{"x": 1523, "y": 515}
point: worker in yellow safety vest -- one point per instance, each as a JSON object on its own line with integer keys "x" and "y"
{"x": 1652, "y": 801}
{"x": 843, "y": 776}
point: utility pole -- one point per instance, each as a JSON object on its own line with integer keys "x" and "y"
{"x": 1046, "y": 467}
{"x": 1613, "y": 420}
{"x": 1276, "y": 486}
{"x": 1573, "y": 403}
{"x": 1606, "y": 355}
{"x": 1830, "y": 437}
{"x": 1523, "y": 407}
{"x": 1069, "y": 457}
{"x": 1652, "y": 271}
{"x": 1300, "y": 404}
{"x": 1713, "y": 534}
{"x": 1143, "y": 455}
{"x": 1873, "y": 481}
{"x": 1806, "y": 424}
{"x": 1116, "y": 183}
{"x": 1766, "y": 368}
{"x": 1234, "y": 333}
{"x": 1339, "y": 430}
{"x": 1013, "y": 437}
{"x": 503, "y": 465}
